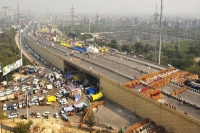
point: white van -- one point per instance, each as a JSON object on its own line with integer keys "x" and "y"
{"x": 4, "y": 107}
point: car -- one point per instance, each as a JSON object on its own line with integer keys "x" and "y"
{"x": 47, "y": 113}
{"x": 2, "y": 93}
{"x": 8, "y": 91}
{"x": 44, "y": 91}
{"x": 24, "y": 87}
{"x": 15, "y": 105}
{"x": 10, "y": 107}
{"x": 63, "y": 101}
{"x": 28, "y": 87}
{"x": 58, "y": 95}
{"x": 34, "y": 98}
{"x": 4, "y": 107}
{"x": 56, "y": 115}
{"x": 37, "y": 115}
{"x": 12, "y": 115}
{"x": 16, "y": 88}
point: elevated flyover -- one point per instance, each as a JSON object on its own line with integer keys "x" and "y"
{"x": 111, "y": 76}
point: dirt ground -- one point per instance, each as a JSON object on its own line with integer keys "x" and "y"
{"x": 48, "y": 125}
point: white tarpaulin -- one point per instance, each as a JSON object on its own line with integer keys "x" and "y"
{"x": 70, "y": 108}
{"x": 80, "y": 105}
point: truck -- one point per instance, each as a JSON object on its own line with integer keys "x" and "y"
{"x": 65, "y": 117}
{"x": 56, "y": 75}
{"x": 49, "y": 87}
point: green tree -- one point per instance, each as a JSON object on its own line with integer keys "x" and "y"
{"x": 90, "y": 121}
{"x": 126, "y": 47}
{"x": 138, "y": 47}
{"x": 23, "y": 127}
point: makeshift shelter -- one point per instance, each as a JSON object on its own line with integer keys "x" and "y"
{"x": 51, "y": 98}
{"x": 73, "y": 90}
{"x": 68, "y": 109}
{"x": 80, "y": 105}
{"x": 96, "y": 96}
{"x": 77, "y": 97}
{"x": 90, "y": 90}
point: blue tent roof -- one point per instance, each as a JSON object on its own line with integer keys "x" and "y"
{"x": 90, "y": 91}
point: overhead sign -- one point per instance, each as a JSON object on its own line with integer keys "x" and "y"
{"x": 11, "y": 67}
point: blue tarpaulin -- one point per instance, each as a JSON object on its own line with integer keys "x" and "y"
{"x": 68, "y": 76}
{"x": 90, "y": 91}
{"x": 77, "y": 97}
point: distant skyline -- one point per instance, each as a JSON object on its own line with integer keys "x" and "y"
{"x": 170, "y": 7}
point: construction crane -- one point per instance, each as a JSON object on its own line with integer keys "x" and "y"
{"x": 88, "y": 112}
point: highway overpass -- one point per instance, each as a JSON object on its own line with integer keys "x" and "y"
{"x": 112, "y": 72}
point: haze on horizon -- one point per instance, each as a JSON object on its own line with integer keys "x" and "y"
{"x": 171, "y": 7}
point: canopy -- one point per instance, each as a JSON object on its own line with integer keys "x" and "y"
{"x": 67, "y": 109}
{"x": 97, "y": 96}
{"x": 80, "y": 105}
{"x": 77, "y": 97}
{"x": 90, "y": 91}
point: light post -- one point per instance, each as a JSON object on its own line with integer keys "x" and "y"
{"x": 119, "y": 69}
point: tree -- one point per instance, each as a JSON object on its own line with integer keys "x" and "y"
{"x": 23, "y": 127}
{"x": 90, "y": 121}
{"x": 126, "y": 48}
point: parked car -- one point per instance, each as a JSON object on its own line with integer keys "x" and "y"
{"x": 8, "y": 91}
{"x": 12, "y": 115}
{"x": 16, "y": 88}
{"x": 2, "y": 93}
{"x": 58, "y": 95}
{"x": 47, "y": 113}
{"x": 63, "y": 101}
{"x": 38, "y": 115}
{"x": 4, "y": 107}
{"x": 15, "y": 105}
{"x": 44, "y": 91}
{"x": 10, "y": 107}
{"x": 56, "y": 115}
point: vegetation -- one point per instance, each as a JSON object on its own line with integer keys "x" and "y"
{"x": 23, "y": 127}
{"x": 9, "y": 50}
{"x": 180, "y": 57}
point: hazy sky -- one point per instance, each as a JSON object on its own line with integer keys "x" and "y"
{"x": 188, "y": 7}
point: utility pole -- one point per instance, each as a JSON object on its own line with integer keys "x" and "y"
{"x": 20, "y": 53}
{"x": 177, "y": 37}
{"x": 160, "y": 29}
{"x": 72, "y": 19}
{"x": 97, "y": 21}
{"x": 89, "y": 26}
{"x": 155, "y": 34}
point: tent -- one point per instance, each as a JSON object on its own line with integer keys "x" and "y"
{"x": 67, "y": 109}
{"x": 80, "y": 105}
{"x": 51, "y": 98}
{"x": 77, "y": 97}
{"x": 90, "y": 91}
{"x": 97, "y": 96}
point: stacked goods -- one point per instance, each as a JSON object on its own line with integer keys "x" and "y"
{"x": 151, "y": 93}
{"x": 181, "y": 81}
{"x": 157, "y": 97}
{"x": 176, "y": 92}
{"x": 136, "y": 126}
{"x": 160, "y": 83}
{"x": 193, "y": 77}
